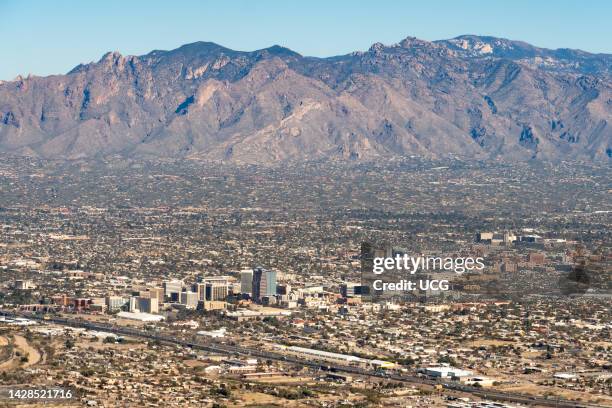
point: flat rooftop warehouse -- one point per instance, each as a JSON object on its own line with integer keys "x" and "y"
{"x": 444, "y": 372}
{"x": 337, "y": 357}
{"x": 142, "y": 317}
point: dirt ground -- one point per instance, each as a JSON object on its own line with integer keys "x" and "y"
{"x": 257, "y": 398}
{"x": 24, "y": 349}
{"x": 534, "y": 389}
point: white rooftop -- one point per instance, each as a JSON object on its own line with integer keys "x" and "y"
{"x": 143, "y": 317}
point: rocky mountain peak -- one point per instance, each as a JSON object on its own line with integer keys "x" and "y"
{"x": 413, "y": 42}
{"x": 469, "y": 97}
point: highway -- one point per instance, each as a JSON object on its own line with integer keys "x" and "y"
{"x": 217, "y": 346}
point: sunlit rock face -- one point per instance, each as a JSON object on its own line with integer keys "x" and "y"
{"x": 470, "y": 97}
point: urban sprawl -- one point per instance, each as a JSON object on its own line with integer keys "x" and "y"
{"x": 166, "y": 283}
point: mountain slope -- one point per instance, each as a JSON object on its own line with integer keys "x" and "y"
{"x": 470, "y": 97}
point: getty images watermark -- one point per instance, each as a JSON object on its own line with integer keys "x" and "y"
{"x": 412, "y": 265}
{"x": 387, "y": 273}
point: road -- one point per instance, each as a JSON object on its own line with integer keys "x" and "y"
{"x": 32, "y": 353}
{"x": 216, "y": 346}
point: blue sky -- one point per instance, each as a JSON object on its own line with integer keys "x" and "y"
{"x": 49, "y": 37}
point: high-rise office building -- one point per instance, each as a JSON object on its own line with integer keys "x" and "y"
{"x": 114, "y": 303}
{"x": 144, "y": 304}
{"x": 215, "y": 291}
{"x": 246, "y": 281}
{"x": 172, "y": 289}
{"x": 213, "y": 288}
{"x": 200, "y": 289}
{"x": 283, "y": 289}
{"x": 264, "y": 283}
{"x": 156, "y": 292}
{"x": 150, "y": 305}
{"x": 189, "y": 299}
{"x": 351, "y": 289}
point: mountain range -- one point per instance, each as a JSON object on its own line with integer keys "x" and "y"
{"x": 471, "y": 97}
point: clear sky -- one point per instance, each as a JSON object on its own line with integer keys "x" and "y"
{"x": 49, "y": 37}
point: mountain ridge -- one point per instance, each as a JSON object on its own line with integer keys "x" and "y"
{"x": 472, "y": 97}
